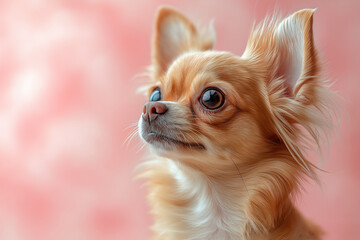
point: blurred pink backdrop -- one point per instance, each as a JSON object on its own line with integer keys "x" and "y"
{"x": 68, "y": 102}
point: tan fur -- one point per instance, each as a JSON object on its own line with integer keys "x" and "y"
{"x": 240, "y": 185}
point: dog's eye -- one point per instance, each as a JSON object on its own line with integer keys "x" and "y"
{"x": 155, "y": 95}
{"x": 212, "y": 98}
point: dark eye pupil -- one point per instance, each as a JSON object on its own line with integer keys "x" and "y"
{"x": 212, "y": 99}
{"x": 155, "y": 95}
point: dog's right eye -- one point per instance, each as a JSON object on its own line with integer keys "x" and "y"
{"x": 155, "y": 95}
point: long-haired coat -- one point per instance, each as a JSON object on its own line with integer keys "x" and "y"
{"x": 228, "y": 133}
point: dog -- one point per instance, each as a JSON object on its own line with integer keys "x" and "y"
{"x": 228, "y": 133}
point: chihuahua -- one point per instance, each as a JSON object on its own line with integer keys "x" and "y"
{"x": 229, "y": 133}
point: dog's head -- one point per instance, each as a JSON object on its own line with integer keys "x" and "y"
{"x": 204, "y": 104}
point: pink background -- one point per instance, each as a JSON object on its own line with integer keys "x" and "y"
{"x": 67, "y": 99}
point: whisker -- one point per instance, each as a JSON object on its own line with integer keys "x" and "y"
{"x": 142, "y": 145}
{"x": 130, "y": 137}
{"x": 242, "y": 178}
{"x": 134, "y": 124}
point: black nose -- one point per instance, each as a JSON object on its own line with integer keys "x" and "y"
{"x": 152, "y": 110}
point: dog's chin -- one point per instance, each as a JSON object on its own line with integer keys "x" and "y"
{"x": 161, "y": 143}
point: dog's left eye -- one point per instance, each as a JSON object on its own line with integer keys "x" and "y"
{"x": 155, "y": 95}
{"x": 212, "y": 98}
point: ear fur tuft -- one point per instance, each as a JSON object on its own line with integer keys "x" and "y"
{"x": 298, "y": 97}
{"x": 174, "y": 35}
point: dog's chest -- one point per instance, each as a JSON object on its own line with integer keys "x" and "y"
{"x": 209, "y": 213}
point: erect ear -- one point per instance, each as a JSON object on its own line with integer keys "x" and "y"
{"x": 175, "y": 34}
{"x": 289, "y": 48}
{"x": 298, "y": 59}
{"x": 301, "y": 114}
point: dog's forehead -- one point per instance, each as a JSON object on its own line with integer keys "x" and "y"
{"x": 188, "y": 73}
{"x": 192, "y": 72}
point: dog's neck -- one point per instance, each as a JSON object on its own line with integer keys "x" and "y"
{"x": 188, "y": 204}
{"x": 215, "y": 211}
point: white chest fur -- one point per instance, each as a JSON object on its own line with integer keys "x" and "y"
{"x": 211, "y": 213}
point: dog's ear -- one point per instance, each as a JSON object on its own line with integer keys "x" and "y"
{"x": 175, "y": 34}
{"x": 298, "y": 98}
{"x": 288, "y": 48}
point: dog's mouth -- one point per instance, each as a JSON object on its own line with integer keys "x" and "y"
{"x": 154, "y": 137}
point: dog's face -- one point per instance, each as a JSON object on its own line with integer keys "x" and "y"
{"x": 207, "y": 103}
